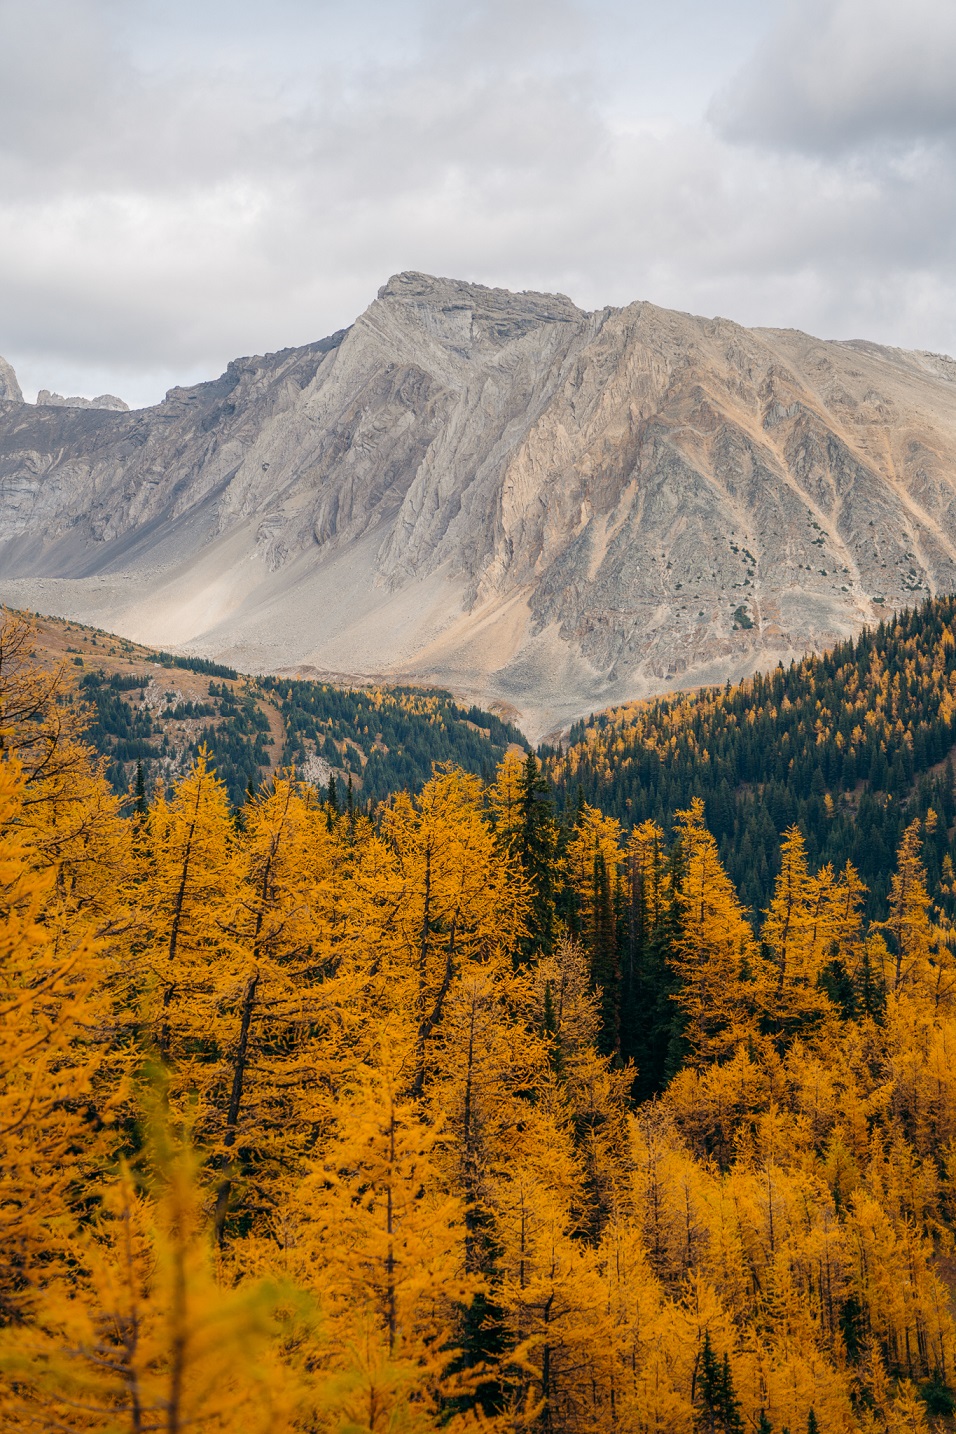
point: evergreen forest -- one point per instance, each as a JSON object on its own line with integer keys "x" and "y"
{"x": 851, "y": 746}
{"x": 473, "y": 1112}
{"x": 149, "y": 713}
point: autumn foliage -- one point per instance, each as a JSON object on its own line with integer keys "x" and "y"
{"x": 453, "y": 1118}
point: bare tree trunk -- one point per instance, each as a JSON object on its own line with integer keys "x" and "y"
{"x": 429, "y": 1022}
{"x": 178, "y": 904}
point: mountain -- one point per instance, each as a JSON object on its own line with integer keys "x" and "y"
{"x": 533, "y": 505}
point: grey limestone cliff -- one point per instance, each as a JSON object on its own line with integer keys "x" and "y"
{"x": 534, "y": 504}
{"x": 9, "y": 388}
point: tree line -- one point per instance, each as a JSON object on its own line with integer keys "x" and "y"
{"x": 850, "y": 745}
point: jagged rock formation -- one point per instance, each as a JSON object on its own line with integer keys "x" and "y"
{"x": 537, "y": 505}
{"x": 9, "y": 388}
{"x": 46, "y": 399}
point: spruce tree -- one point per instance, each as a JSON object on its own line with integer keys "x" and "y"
{"x": 536, "y": 849}
{"x": 720, "y": 1408}
{"x": 140, "y": 806}
{"x": 605, "y": 966}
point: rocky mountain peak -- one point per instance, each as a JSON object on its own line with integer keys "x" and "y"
{"x": 46, "y": 399}
{"x": 9, "y": 388}
{"x": 503, "y": 494}
{"x": 467, "y": 316}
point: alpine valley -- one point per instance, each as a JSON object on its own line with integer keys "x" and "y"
{"x": 545, "y": 510}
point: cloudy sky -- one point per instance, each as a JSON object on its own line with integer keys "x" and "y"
{"x": 186, "y": 181}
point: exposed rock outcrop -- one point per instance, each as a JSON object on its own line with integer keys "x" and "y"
{"x": 9, "y": 388}
{"x": 551, "y": 508}
{"x": 46, "y": 399}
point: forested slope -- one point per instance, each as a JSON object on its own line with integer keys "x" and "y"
{"x": 323, "y": 1122}
{"x": 850, "y": 745}
{"x": 150, "y": 712}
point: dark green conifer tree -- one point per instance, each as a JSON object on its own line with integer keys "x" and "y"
{"x": 605, "y": 966}
{"x": 720, "y": 1408}
{"x": 331, "y": 802}
{"x": 141, "y": 806}
{"x": 537, "y": 849}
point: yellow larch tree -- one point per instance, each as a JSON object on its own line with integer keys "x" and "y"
{"x": 435, "y": 892}
{"x": 595, "y": 836}
{"x": 142, "y": 1334}
{"x": 921, "y": 960}
{"x": 641, "y": 1358}
{"x": 592, "y": 1087}
{"x": 53, "y": 1042}
{"x": 812, "y": 921}
{"x": 187, "y": 895}
{"x": 272, "y": 1005}
{"x": 488, "y": 1062}
{"x": 714, "y": 955}
{"x": 66, "y": 801}
{"x": 504, "y": 798}
{"x": 548, "y": 1286}
{"x": 379, "y": 1242}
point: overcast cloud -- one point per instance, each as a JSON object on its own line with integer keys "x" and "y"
{"x": 177, "y": 188}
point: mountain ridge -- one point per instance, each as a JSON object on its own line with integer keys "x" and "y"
{"x": 524, "y": 501}
{"x": 149, "y": 713}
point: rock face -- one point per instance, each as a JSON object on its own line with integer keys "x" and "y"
{"x": 46, "y": 399}
{"x": 9, "y": 388}
{"x": 536, "y": 505}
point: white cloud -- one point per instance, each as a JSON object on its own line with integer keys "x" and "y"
{"x": 174, "y": 199}
{"x": 838, "y": 74}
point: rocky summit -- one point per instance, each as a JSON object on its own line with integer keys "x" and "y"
{"x": 536, "y": 506}
{"x": 56, "y": 400}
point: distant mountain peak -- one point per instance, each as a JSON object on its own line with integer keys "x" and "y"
{"x": 46, "y": 399}
{"x": 465, "y": 317}
{"x": 411, "y": 285}
{"x": 503, "y": 494}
